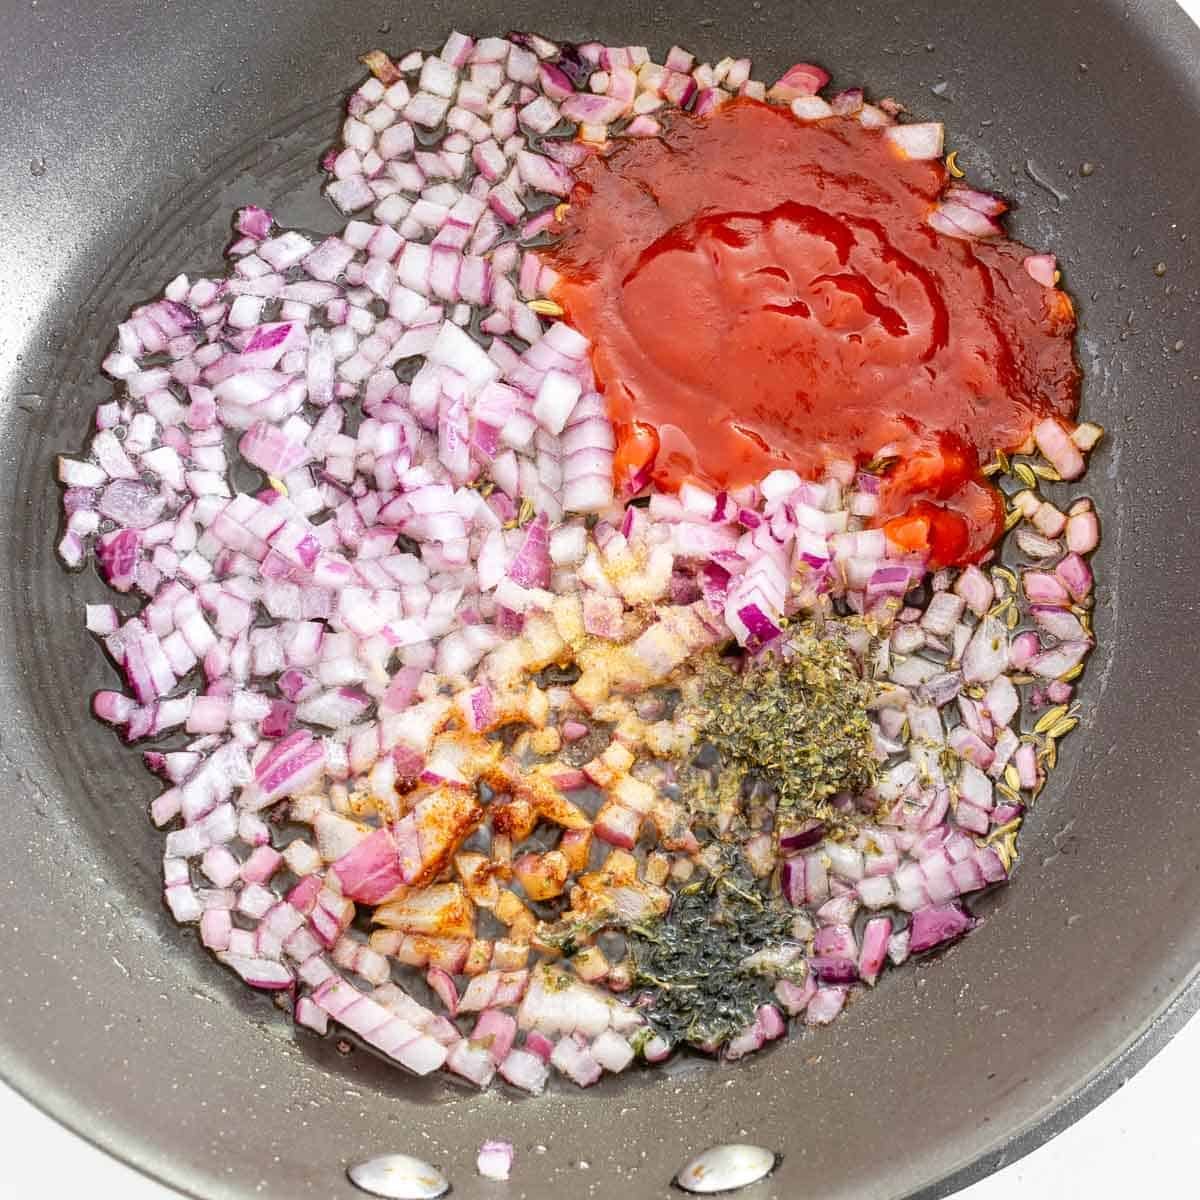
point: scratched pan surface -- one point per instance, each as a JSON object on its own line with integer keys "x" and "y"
{"x": 130, "y": 130}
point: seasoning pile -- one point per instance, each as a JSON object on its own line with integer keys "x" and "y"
{"x": 476, "y": 757}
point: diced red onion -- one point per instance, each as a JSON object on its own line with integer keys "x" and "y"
{"x": 495, "y": 1160}
{"x": 935, "y": 926}
{"x": 320, "y": 551}
{"x": 918, "y": 141}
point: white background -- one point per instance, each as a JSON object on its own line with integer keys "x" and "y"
{"x": 1140, "y": 1141}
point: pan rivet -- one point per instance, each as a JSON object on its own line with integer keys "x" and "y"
{"x": 399, "y": 1177}
{"x": 726, "y": 1168}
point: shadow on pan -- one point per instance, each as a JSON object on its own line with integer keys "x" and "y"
{"x": 132, "y": 130}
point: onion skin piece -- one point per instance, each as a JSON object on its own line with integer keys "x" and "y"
{"x": 1076, "y": 576}
{"x": 875, "y": 939}
{"x": 1083, "y": 531}
{"x": 802, "y": 79}
{"x": 497, "y": 1030}
{"x": 1042, "y": 268}
{"x": 531, "y": 567}
{"x": 825, "y": 1005}
{"x": 794, "y": 997}
{"x": 960, "y": 220}
{"x": 936, "y": 926}
{"x": 370, "y": 872}
{"x": 443, "y": 985}
{"x": 525, "y": 1071}
{"x": 1060, "y": 451}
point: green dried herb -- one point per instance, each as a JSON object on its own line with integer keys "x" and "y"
{"x": 691, "y": 959}
{"x": 569, "y": 936}
{"x": 798, "y": 724}
{"x": 882, "y": 464}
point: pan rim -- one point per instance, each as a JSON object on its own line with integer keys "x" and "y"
{"x": 1036, "y": 1131}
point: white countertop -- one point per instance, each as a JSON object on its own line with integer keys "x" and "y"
{"x": 1139, "y": 1142}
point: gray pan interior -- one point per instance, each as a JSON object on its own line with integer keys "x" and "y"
{"x": 152, "y": 120}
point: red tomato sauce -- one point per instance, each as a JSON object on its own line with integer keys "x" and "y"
{"x": 763, "y": 292}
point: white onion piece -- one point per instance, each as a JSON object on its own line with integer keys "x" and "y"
{"x": 918, "y": 141}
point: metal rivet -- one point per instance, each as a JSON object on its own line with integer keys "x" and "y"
{"x": 726, "y": 1168}
{"x": 399, "y": 1177}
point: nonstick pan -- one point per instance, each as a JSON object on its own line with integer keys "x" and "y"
{"x": 131, "y": 129}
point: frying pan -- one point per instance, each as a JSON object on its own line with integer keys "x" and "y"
{"x": 131, "y": 130}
